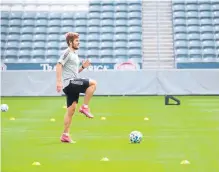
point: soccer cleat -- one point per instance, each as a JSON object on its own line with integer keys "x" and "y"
{"x": 66, "y": 139}
{"x": 86, "y": 112}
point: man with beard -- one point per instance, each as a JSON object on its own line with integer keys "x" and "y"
{"x": 67, "y": 79}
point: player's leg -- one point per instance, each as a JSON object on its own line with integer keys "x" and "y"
{"x": 67, "y": 123}
{"x": 72, "y": 101}
{"x": 89, "y": 91}
{"x": 68, "y": 117}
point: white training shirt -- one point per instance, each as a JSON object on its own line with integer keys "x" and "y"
{"x": 70, "y": 62}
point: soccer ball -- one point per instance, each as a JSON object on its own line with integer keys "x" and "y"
{"x": 4, "y": 107}
{"x": 135, "y": 137}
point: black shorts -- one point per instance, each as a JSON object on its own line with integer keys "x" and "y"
{"x": 73, "y": 90}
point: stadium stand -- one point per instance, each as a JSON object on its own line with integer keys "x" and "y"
{"x": 196, "y": 31}
{"x": 112, "y": 32}
{"x": 109, "y": 32}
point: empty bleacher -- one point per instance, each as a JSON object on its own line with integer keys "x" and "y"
{"x": 111, "y": 31}
{"x": 196, "y": 30}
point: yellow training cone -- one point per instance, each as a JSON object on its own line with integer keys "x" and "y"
{"x": 36, "y": 163}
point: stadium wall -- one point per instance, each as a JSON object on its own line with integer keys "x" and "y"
{"x": 112, "y": 82}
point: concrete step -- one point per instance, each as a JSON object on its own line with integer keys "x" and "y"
{"x": 156, "y": 50}
{"x": 165, "y": 22}
{"x": 155, "y": 12}
{"x": 149, "y": 24}
{"x": 164, "y": 35}
{"x": 157, "y": 61}
{"x": 149, "y": 35}
{"x": 157, "y": 24}
{"x": 149, "y": 3}
{"x": 157, "y": 34}
{"x": 166, "y": 53}
{"x": 166, "y": 44}
{"x": 157, "y": 42}
{"x": 155, "y": 53}
{"x": 156, "y": 39}
{"x": 149, "y": 6}
{"x": 165, "y": 18}
{"x": 160, "y": 11}
{"x": 150, "y": 55}
{"x": 165, "y": 30}
{"x": 149, "y": 21}
{"x": 145, "y": 47}
{"x": 159, "y": 46}
{"x": 166, "y": 60}
{"x": 165, "y": 49}
{"x": 149, "y": 18}
{"x": 164, "y": 38}
{"x": 150, "y": 30}
{"x": 147, "y": 15}
{"x": 151, "y": 49}
{"x": 146, "y": 26}
{"x": 150, "y": 38}
{"x": 163, "y": 7}
{"x": 155, "y": 67}
{"x": 148, "y": 46}
{"x": 151, "y": 63}
{"x": 150, "y": 43}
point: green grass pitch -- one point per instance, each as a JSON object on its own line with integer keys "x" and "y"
{"x": 172, "y": 134}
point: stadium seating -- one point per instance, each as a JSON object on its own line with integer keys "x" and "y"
{"x": 110, "y": 30}
{"x": 195, "y": 30}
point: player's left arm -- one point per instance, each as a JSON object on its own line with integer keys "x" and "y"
{"x": 84, "y": 65}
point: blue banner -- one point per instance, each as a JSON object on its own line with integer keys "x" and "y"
{"x": 52, "y": 66}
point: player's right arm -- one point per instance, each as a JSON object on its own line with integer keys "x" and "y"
{"x": 58, "y": 77}
{"x": 61, "y": 62}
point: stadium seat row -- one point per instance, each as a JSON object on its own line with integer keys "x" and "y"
{"x": 63, "y": 30}
{"x": 76, "y": 16}
{"x": 57, "y": 45}
{"x": 196, "y": 29}
{"x": 109, "y": 30}
{"x": 58, "y": 37}
{"x": 119, "y": 54}
{"x": 59, "y": 23}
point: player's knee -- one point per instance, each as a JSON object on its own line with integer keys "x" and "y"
{"x": 93, "y": 83}
{"x": 72, "y": 108}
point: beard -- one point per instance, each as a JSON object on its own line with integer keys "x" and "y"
{"x": 74, "y": 47}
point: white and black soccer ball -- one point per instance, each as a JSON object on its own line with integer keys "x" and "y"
{"x": 4, "y": 107}
{"x": 135, "y": 137}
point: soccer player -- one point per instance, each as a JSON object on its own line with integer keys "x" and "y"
{"x": 67, "y": 79}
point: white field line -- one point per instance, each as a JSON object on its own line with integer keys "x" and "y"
{"x": 205, "y": 104}
{"x": 204, "y": 100}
